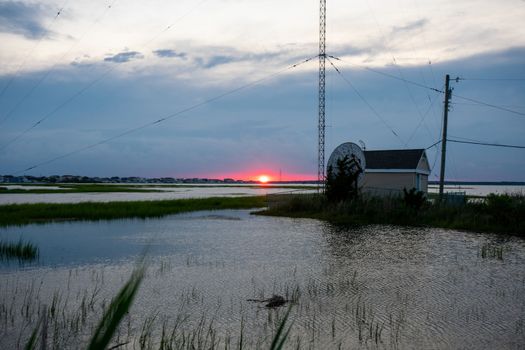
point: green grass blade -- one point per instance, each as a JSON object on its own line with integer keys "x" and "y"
{"x": 116, "y": 311}
{"x": 31, "y": 343}
{"x": 241, "y": 337}
{"x": 281, "y": 335}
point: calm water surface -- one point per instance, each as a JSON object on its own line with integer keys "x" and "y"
{"x": 480, "y": 190}
{"x": 167, "y": 192}
{"x": 376, "y": 287}
{"x": 164, "y": 193}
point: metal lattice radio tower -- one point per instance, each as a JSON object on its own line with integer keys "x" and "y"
{"x": 322, "y": 83}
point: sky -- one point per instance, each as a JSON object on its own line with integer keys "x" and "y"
{"x": 82, "y": 84}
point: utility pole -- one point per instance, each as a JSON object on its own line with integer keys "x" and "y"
{"x": 322, "y": 81}
{"x": 448, "y": 96}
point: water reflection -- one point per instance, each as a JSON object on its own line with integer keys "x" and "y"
{"x": 162, "y": 193}
{"x": 369, "y": 287}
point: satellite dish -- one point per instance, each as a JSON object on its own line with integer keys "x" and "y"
{"x": 355, "y": 155}
{"x": 362, "y": 144}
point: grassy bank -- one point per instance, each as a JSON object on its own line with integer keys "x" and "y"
{"x": 20, "y": 214}
{"x": 73, "y": 188}
{"x": 497, "y": 213}
{"x": 86, "y": 188}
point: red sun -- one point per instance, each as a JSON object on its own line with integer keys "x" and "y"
{"x": 263, "y": 179}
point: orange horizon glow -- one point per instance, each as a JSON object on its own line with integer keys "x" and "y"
{"x": 254, "y": 175}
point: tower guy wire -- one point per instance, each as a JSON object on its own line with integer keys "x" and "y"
{"x": 33, "y": 48}
{"x": 374, "y": 111}
{"x": 170, "y": 116}
{"x": 48, "y": 72}
{"x": 389, "y": 75}
{"x": 479, "y": 102}
{"x": 91, "y": 83}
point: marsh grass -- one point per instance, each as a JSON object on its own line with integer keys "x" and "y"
{"x": 21, "y": 214}
{"x": 72, "y": 318}
{"x": 52, "y": 323}
{"x": 496, "y": 213}
{"x": 333, "y": 313}
{"x": 74, "y": 188}
{"x": 108, "y": 188}
{"x": 491, "y": 251}
{"x": 116, "y": 311}
{"x": 22, "y": 251}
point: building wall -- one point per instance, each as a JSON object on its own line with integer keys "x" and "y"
{"x": 424, "y": 183}
{"x": 392, "y": 183}
{"x": 423, "y": 164}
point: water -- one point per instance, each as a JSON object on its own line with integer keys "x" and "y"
{"x": 165, "y": 193}
{"x": 371, "y": 287}
{"x": 480, "y": 190}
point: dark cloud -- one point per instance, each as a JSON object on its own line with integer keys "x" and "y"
{"x": 232, "y": 56}
{"x": 349, "y": 50}
{"x": 168, "y": 53}
{"x": 23, "y": 19}
{"x": 410, "y": 26}
{"x": 123, "y": 57}
{"x": 275, "y": 121}
{"x": 217, "y": 60}
{"x": 209, "y": 57}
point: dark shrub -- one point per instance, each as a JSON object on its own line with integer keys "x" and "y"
{"x": 413, "y": 199}
{"x": 341, "y": 184}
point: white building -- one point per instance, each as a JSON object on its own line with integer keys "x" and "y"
{"x": 388, "y": 172}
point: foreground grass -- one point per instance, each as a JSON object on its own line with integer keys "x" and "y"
{"x": 108, "y": 188}
{"x": 497, "y": 213}
{"x": 107, "y": 331}
{"x": 21, "y": 214}
{"x": 74, "y": 188}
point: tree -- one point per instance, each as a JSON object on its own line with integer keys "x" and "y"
{"x": 342, "y": 184}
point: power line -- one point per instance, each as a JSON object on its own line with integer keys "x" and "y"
{"x": 171, "y": 116}
{"x": 494, "y": 79}
{"x": 399, "y": 69}
{"x": 490, "y": 105}
{"x": 477, "y": 104}
{"x": 30, "y": 52}
{"x": 421, "y": 121}
{"x": 92, "y": 82}
{"x": 56, "y": 109}
{"x": 390, "y": 75}
{"x": 436, "y": 155}
{"x": 487, "y": 144}
{"x": 50, "y": 70}
{"x": 432, "y": 88}
{"x": 366, "y": 102}
{"x": 178, "y": 19}
{"x": 465, "y": 138}
{"x": 433, "y": 145}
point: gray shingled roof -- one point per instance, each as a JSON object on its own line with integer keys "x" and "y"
{"x": 393, "y": 159}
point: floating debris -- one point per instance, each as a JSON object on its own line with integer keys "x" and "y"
{"x": 274, "y": 301}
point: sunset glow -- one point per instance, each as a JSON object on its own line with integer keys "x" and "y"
{"x": 264, "y": 179}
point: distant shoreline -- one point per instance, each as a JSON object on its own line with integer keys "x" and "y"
{"x": 241, "y": 182}
{"x": 480, "y": 183}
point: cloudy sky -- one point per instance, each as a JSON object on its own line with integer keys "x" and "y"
{"x": 75, "y": 74}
